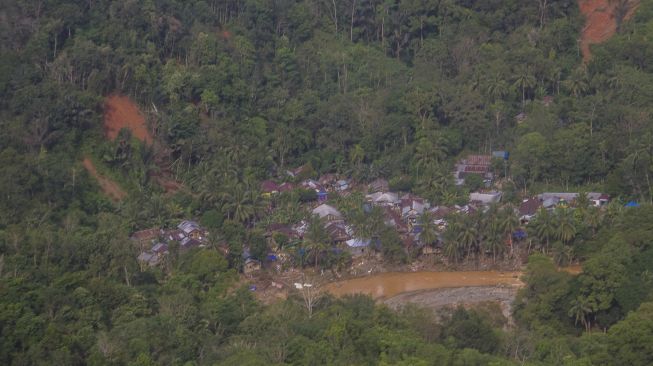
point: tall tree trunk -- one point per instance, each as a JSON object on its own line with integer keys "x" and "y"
{"x": 351, "y": 26}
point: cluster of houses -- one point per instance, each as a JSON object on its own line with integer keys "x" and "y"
{"x": 400, "y": 211}
{"x": 154, "y": 243}
{"x": 551, "y": 200}
{"x": 327, "y": 183}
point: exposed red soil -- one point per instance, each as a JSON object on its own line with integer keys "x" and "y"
{"x": 121, "y": 112}
{"x": 601, "y": 21}
{"x": 109, "y": 187}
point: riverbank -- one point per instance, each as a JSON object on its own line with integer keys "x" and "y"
{"x": 437, "y": 299}
{"x": 387, "y": 285}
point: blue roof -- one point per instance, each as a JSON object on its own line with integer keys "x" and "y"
{"x": 632, "y": 204}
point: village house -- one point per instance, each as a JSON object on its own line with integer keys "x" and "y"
{"x": 284, "y": 229}
{"x": 379, "y": 185}
{"x": 487, "y": 198}
{"x": 147, "y": 258}
{"x": 175, "y": 235}
{"x": 269, "y": 188}
{"x": 286, "y": 187}
{"x": 474, "y": 164}
{"x": 388, "y": 199}
{"x": 598, "y": 199}
{"x": 328, "y": 181}
{"x": 564, "y": 199}
{"x": 341, "y": 185}
{"x": 326, "y": 212}
{"x": 337, "y": 231}
{"x": 192, "y": 230}
{"x": 251, "y": 265}
{"x": 357, "y": 247}
{"x": 153, "y": 256}
{"x": 145, "y": 236}
{"x": 299, "y": 229}
{"x": 320, "y": 191}
{"x": 412, "y": 207}
{"x": 528, "y": 209}
{"x": 188, "y": 243}
{"x": 393, "y": 219}
{"x": 294, "y": 173}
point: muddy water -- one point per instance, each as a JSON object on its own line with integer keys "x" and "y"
{"x": 386, "y": 285}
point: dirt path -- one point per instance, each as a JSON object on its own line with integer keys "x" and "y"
{"x": 121, "y": 112}
{"x": 109, "y": 187}
{"x": 601, "y": 18}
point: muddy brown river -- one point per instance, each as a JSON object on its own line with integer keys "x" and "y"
{"x": 387, "y": 285}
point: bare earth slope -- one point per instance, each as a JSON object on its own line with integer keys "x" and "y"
{"x": 121, "y": 112}
{"x": 109, "y": 187}
{"x": 601, "y": 18}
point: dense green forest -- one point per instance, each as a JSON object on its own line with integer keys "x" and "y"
{"x": 237, "y": 92}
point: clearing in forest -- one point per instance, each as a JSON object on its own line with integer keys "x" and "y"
{"x": 121, "y": 112}
{"x": 601, "y": 17}
{"x": 109, "y": 187}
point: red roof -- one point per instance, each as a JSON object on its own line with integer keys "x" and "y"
{"x": 285, "y": 187}
{"x": 476, "y": 169}
{"x": 396, "y": 220}
{"x": 529, "y": 207}
{"x": 148, "y": 234}
{"x": 479, "y": 160}
{"x": 268, "y": 186}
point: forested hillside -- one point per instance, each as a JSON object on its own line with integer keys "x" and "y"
{"x": 233, "y": 93}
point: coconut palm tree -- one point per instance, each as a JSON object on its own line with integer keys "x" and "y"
{"x": 468, "y": 235}
{"x": 543, "y": 227}
{"x": 237, "y": 203}
{"x": 494, "y": 240}
{"x": 452, "y": 244}
{"x": 593, "y": 218}
{"x": 577, "y": 83}
{"x": 580, "y": 310}
{"x": 429, "y": 233}
{"x": 356, "y": 156}
{"x": 451, "y": 250}
{"x": 508, "y": 223}
{"x": 524, "y": 80}
{"x": 316, "y": 239}
{"x": 496, "y": 87}
{"x": 566, "y": 225}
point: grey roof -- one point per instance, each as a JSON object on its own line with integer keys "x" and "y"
{"x": 160, "y": 247}
{"x": 358, "y": 243}
{"x": 188, "y": 226}
{"x": 145, "y": 257}
{"x": 383, "y": 198}
{"x": 326, "y": 210}
{"x": 550, "y": 202}
{"x": 485, "y": 198}
{"x": 567, "y": 196}
{"x": 189, "y": 242}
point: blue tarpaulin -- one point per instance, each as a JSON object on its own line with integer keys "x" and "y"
{"x": 519, "y": 235}
{"x": 632, "y": 204}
